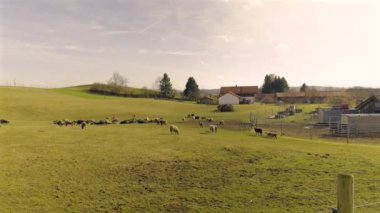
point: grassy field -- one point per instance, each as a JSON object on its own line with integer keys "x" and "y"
{"x": 143, "y": 168}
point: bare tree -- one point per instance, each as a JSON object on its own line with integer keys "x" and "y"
{"x": 118, "y": 80}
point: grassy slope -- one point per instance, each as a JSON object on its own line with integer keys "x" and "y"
{"x": 142, "y": 167}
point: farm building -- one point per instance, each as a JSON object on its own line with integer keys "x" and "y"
{"x": 333, "y": 115}
{"x": 208, "y": 100}
{"x": 229, "y": 98}
{"x": 371, "y": 105}
{"x": 362, "y": 123}
{"x": 307, "y": 97}
{"x": 244, "y": 94}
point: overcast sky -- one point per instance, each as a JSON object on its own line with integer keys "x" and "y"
{"x": 51, "y": 43}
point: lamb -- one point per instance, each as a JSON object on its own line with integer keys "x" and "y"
{"x": 174, "y": 129}
{"x": 221, "y": 122}
{"x": 213, "y": 128}
{"x": 272, "y": 135}
{"x": 258, "y": 131}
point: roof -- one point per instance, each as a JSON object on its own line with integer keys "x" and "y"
{"x": 290, "y": 94}
{"x": 370, "y": 99}
{"x": 231, "y": 93}
{"x": 309, "y": 94}
{"x": 240, "y": 90}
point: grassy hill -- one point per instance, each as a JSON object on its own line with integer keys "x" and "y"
{"x": 143, "y": 168}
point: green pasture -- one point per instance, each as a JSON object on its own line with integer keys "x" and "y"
{"x": 143, "y": 168}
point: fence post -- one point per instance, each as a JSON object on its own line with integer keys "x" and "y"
{"x": 348, "y": 133}
{"x": 345, "y": 193}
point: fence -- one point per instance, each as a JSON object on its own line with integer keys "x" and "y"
{"x": 307, "y": 126}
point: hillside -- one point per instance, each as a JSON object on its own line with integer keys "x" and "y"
{"x": 143, "y": 168}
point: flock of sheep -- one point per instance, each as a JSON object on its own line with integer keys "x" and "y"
{"x": 159, "y": 121}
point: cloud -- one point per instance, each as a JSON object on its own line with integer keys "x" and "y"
{"x": 141, "y": 31}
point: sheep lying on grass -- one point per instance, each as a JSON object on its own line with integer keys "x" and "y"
{"x": 174, "y": 129}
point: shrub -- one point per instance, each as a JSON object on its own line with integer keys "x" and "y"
{"x": 225, "y": 108}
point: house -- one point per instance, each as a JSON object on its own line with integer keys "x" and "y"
{"x": 371, "y": 105}
{"x": 208, "y": 100}
{"x": 238, "y": 94}
{"x": 229, "y": 98}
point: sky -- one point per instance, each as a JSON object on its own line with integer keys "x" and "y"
{"x": 55, "y": 43}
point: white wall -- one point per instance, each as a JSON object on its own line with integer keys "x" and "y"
{"x": 228, "y": 99}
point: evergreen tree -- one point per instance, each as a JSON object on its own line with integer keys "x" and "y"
{"x": 192, "y": 89}
{"x": 303, "y": 88}
{"x": 273, "y": 83}
{"x": 166, "y": 88}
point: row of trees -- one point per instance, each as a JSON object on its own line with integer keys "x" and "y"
{"x": 117, "y": 85}
{"x": 191, "y": 91}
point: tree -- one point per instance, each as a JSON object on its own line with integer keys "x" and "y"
{"x": 303, "y": 88}
{"x": 166, "y": 88}
{"x": 118, "y": 80}
{"x": 273, "y": 83}
{"x": 192, "y": 89}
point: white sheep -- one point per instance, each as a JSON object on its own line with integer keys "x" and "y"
{"x": 213, "y": 128}
{"x": 174, "y": 129}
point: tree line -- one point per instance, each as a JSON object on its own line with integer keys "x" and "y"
{"x": 117, "y": 85}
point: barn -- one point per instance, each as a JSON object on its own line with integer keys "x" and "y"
{"x": 371, "y": 105}
{"x": 362, "y": 123}
{"x": 238, "y": 94}
{"x": 208, "y": 100}
{"x": 333, "y": 115}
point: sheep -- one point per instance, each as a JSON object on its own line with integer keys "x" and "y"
{"x": 162, "y": 122}
{"x": 196, "y": 117}
{"x": 174, "y": 129}
{"x": 221, "y": 122}
{"x": 272, "y": 135}
{"x": 83, "y": 125}
{"x": 213, "y": 128}
{"x": 258, "y": 131}
{"x": 3, "y": 121}
{"x": 210, "y": 120}
{"x": 201, "y": 124}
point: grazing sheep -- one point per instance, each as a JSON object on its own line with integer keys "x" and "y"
{"x": 114, "y": 120}
{"x": 83, "y": 125}
{"x": 213, "y": 128}
{"x": 162, "y": 122}
{"x": 201, "y": 124}
{"x": 221, "y": 122}
{"x": 196, "y": 117}
{"x": 258, "y": 131}
{"x": 174, "y": 129}
{"x": 210, "y": 120}
{"x": 272, "y": 135}
{"x": 79, "y": 122}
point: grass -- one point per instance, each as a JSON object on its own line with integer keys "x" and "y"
{"x": 142, "y": 168}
